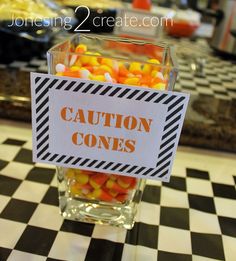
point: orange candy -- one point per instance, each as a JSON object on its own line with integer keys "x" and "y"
{"x": 110, "y": 184}
{"x": 74, "y": 74}
{"x": 121, "y": 197}
{"x": 98, "y": 180}
{"x": 110, "y": 70}
{"x": 100, "y": 186}
{"x": 102, "y": 195}
{"x": 123, "y": 72}
{"x": 125, "y": 182}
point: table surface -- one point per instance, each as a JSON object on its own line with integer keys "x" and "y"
{"x": 191, "y": 218}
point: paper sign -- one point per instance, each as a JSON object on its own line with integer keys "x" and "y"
{"x": 105, "y": 127}
{"x": 138, "y": 23}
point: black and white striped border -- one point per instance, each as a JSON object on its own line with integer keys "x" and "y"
{"x": 176, "y": 107}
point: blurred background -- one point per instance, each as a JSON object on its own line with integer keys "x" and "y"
{"x": 202, "y": 31}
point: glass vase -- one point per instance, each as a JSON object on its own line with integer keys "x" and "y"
{"x": 108, "y": 198}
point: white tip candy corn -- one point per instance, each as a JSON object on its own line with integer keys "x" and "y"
{"x": 60, "y": 67}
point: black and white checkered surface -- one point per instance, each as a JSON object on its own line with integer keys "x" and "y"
{"x": 191, "y": 218}
{"x": 218, "y": 79}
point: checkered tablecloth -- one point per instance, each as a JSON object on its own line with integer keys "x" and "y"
{"x": 191, "y": 218}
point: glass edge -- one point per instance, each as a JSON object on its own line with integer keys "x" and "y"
{"x": 174, "y": 65}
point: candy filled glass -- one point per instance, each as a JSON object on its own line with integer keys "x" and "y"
{"x": 92, "y": 196}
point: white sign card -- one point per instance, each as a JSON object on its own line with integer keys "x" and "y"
{"x": 105, "y": 127}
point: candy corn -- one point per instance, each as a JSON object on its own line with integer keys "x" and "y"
{"x": 110, "y": 184}
{"x": 98, "y": 180}
{"x": 82, "y": 178}
{"x": 102, "y": 195}
{"x": 91, "y": 66}
{"x": 99, "y": 186}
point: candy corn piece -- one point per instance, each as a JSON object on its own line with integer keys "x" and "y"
{"x": 110, "y": 184}
{"x": 86, "y": 186}
{"x": 113, "y": 193}
{"x": 134, "y": 66}
{"x": 107, "y": 61}
{"x": 132, "y": 81}
{"x": 123, "y": 72}
{"x": 82, "y": 178}
{"x": 70, "y": 173}
{"x": 97, "y": 180}
{"x": 74, "y": 190}
{"x": 125, "y": 182}
{"x": 133, "y": 184}
{"x": 121, "y": 197}
{"x": 102, "y": 195}
{"x": 81, "y": 48}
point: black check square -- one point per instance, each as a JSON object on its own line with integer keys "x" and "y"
{"x": 24, "y": 156}
{"x": 143, "y": 234}
{"x": 14, "y": 142}
{"x": 18, "y": 210}
{"x": 36, "y": 240}
{"x": 104, "y": 250}
{"x": 51, "y": 197}
{"x": 168, "y": 256}
{"x": 8, "y": 185}
{"x": 208, "y": 245}
{"x": 151, "y": 194}
{"x": 224, "y": 191}
{"x": 175, "y": 217}
{"x": 194, "y": 173}
{"x": 178, "y": 183}
{"x": 3, "y": 164}
{"x": 77, "y": 227}
{"x": 42, "y": 175}
{"x": 4, "y": 253}
{"x": 228, "y": 226}
{"x": 202, "y": 203}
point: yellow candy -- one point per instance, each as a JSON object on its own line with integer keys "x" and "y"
{"x": 82, "y": 178}
{"x": 81, "y": 47}
{"x": 78, "y": 63}
{"x": 100, "y": 78}
{"x": 107, "y": 61}
{"x": 155, "y": 61}
{"x": 132, "y": 81}
{"x": 106, "y": 68}
{"x": 74, "y": 190}
{"x": 123, "y": 184}
{"x": 74, "y": 68}
{"x": 59, "y": 74}
{"x": 135, "y": 67}
{"x": 93, "y": 61}
{"x": 70, "y": 173}
{"x": 159, "y": 86}
{"x": 154, "y": 73}
{"x": 84, "y": 59}
{"x": 147, "y": 68}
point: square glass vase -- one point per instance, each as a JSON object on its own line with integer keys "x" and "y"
{"x": 100, "y": 198}
{"x": 107, "y": 198}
